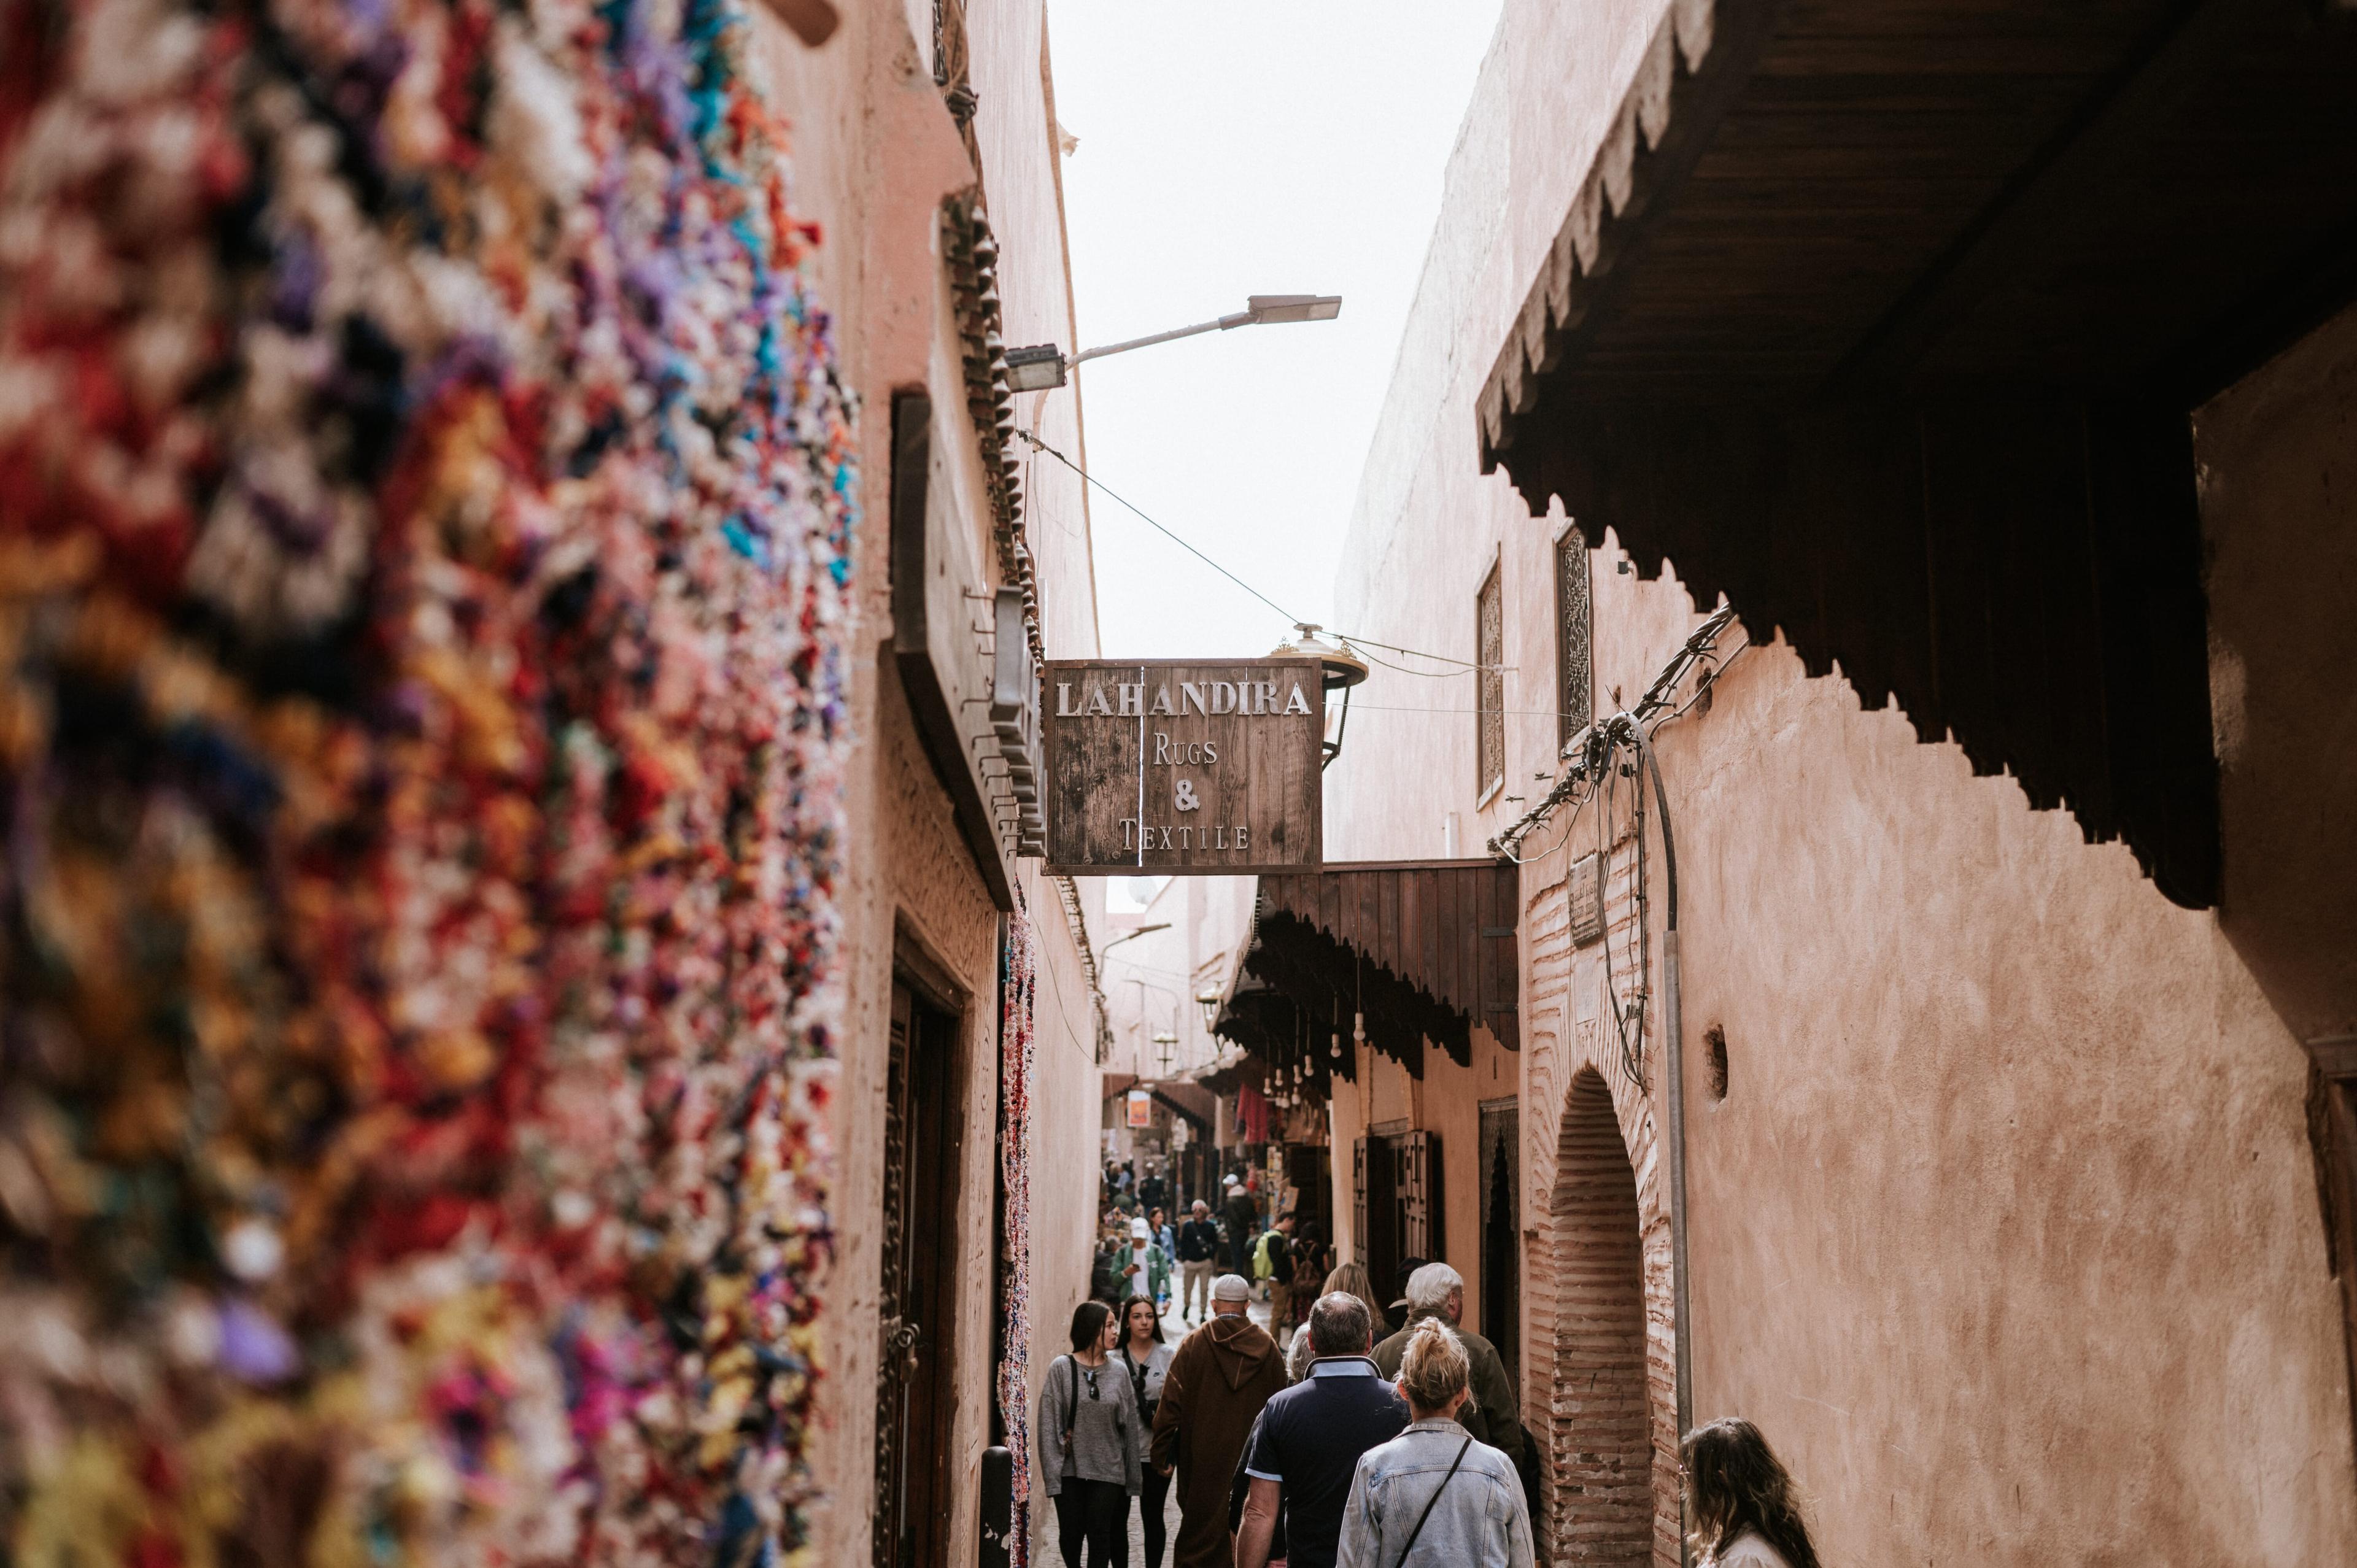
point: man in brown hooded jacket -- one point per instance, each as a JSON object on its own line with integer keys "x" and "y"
{"x": 1222, "y": 1374}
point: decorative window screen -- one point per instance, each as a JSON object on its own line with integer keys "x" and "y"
{"x": 1573, "y": 618}
{"x": 1489, "y": 684}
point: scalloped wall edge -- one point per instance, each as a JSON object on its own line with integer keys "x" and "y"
{"x": 1588, "y": 242}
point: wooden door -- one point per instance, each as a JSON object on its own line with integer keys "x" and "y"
{"x": 1420, "y": 1196}
{"x": 1377, "y": 1161}
{"x": 1499, "y": 1172}
{"x": 1358, "y": 1239}
{"x": 915, "y": 1372}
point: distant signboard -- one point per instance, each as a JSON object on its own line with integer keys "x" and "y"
{"x": 1141, "y": 1109}
{"x": 1184, "y": 769}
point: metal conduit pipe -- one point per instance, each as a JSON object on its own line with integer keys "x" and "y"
{"x": 1673, "y": 1071}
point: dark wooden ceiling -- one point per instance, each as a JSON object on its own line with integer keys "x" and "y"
{"x": 1424, "y": 948}
{"x": 1897, "y": 341}
{"x": 2093, "y": 195}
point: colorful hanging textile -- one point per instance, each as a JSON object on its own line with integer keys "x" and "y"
{"x": 425, "y": 504}
{"x": 1252, "y": 1115}
{"x": 1018, "y": 978}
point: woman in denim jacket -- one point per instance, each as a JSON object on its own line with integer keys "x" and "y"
{"x": 1434, "y": 1494}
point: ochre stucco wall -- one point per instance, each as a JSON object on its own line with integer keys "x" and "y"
{"x": 874, "y": 152}
{"x": 2008, "y": 1231}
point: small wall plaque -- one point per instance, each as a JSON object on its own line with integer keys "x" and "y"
{"x": 1584, "y": 887}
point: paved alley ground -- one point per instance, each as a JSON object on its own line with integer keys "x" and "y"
{"x": 1175, "y": 1327}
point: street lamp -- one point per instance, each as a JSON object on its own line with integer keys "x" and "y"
{"x": 1166, "y": 1040}
{"x": 1342, "y": 668}
{"x": 1043, "y": 365}
{"x": 1208, "y": 999}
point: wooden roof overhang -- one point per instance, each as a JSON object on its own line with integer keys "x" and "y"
{"x": 1425, "y": 949}
{"x": 1171, "y": 1093}
{"x": 1886, "y": 318}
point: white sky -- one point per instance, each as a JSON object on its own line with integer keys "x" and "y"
{"x": 1230, "y": 147}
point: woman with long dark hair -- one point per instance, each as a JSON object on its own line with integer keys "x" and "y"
{"x": 1744, "y": 1510}
{"x": 1092, "y": 1448}
{"x": 1146, "y": 1358}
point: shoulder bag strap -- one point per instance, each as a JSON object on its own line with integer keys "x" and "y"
{"x": 1409, "y": 1548}
{"x": 1071, "y": 1402}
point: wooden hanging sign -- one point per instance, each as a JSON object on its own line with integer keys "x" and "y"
{"x": 1181, "y": 768}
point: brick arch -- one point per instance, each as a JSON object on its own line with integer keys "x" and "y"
{"x": 1600, "y": 1437}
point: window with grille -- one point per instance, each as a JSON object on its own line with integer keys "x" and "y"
{"x": 1574, "y": 620}
{"x": 1489, "y": 683}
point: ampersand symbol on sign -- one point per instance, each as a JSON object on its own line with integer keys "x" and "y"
{"x": 1187, "y": 801}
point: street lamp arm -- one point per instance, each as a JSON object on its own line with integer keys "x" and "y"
{"x": 1039, "y": 366}
{"x": 1260, "y": 309}
{"x": 1240, "y": 318}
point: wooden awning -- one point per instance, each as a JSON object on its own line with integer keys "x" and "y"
{"x": 1887, "y": 321}
{"x": 1424, "y": 948}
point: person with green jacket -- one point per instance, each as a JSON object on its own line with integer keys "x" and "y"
{"x": 1144, "y": 1267}
{"x": 1494, "y": 1415}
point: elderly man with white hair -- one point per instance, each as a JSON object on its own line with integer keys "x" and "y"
{"x": 1199, "y": 1252}
{"x": 1493, "y": 1414}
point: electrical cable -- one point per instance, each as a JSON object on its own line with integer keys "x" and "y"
{"x": 1088, "y": 477}
{"x": 1467, "y": 665}
{"x": 1649, "y": 709}
{"x": 1629, "y": 1024}
{"x": 1291, "y": 619}
{"x": 1420, "y": 675}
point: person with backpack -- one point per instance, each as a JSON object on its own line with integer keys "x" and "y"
{"x": 1092, "y": 1446}
{"x": 1273, "y": 1266}
{"x": 1436, "y": 1496}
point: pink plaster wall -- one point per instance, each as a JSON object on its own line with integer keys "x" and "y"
{"x": 874, "y": 152}
{"x": 2008, "y": 1231}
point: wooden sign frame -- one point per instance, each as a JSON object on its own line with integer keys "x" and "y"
{"x": 1139, "y": 739}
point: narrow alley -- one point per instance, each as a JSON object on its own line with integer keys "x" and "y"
{"x": 1067, "y": 784}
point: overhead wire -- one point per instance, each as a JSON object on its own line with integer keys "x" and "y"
{"x": 1592, "y": 776}
{"x": 1290, "y": 618}
{"x": 1091, "y": 478}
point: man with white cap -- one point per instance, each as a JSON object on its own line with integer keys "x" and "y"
{"x": 1222, "y": 1374}
{"x": 1144, "y": 1266}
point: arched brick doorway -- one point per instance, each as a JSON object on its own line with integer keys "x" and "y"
{"x": 1600, "y": 1433}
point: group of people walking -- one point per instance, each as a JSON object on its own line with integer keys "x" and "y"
{"x": 1139, "y": 1251}
{"x": 1354, "y": 1452}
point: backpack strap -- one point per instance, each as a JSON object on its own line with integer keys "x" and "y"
{"x": 1072, "y": 1402}
{"x": 1410, "y": 1547}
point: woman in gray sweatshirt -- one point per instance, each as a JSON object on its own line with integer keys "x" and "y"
{"x": 1091, "y": 1445}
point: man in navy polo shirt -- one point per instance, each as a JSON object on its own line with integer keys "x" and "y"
{"x": 1311, "y": 1436}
